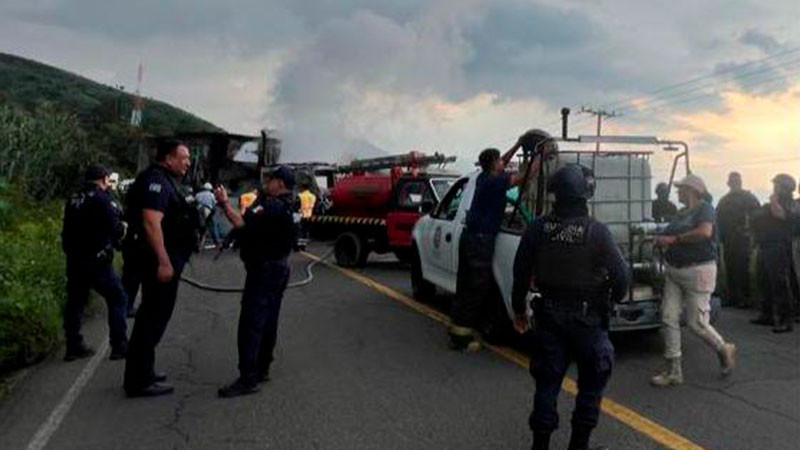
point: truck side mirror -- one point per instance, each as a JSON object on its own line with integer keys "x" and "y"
{"x": 427, "y": 206}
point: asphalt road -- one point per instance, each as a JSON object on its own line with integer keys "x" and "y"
{"x": 356, "y": 369}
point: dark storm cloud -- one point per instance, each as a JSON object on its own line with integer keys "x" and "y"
{"x": 760, "y": 40}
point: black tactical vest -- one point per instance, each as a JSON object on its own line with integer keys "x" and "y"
{"x": 79, "y": 236}
{"x": 566, "y": 266}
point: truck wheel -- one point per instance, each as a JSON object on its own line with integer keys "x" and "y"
{"x": 423, "y": 289}
{"x": 350, "y": 250}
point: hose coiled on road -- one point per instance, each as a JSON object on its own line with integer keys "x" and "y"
{"x": 230, "y": 289}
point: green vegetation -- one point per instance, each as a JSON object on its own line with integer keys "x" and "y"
{"x": 29, "y": 85}
{"x": 52, "y": 125}
{"x": 32, "y": 282}
{"x": 35, "y": 96}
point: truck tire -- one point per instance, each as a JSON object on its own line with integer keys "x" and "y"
{"x": 423, "y": 290}
{"x": 350, "y": 250}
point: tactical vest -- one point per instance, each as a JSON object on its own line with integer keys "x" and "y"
{"x": 79, "y": 238}
{"x": 263, "y": 241}
{"x": 566, "y": 267}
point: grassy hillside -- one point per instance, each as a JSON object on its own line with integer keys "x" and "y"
{"x": 30, "y": 85}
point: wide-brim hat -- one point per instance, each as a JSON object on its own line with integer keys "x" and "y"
{"x": 693, "y": 182}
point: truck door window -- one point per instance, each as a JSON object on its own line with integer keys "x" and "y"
{"x": 448, "y": 208}
{"x": 441, "y": 185}
{"x": 411, "y": 194}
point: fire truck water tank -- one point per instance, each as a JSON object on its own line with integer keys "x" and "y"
{"x": 362, "y": 195}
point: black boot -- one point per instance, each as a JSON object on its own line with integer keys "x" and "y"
{"x": 119, "y": 351}
{"x": 237, "y": 388}
{"x": 580, "y": 440}
{"x": 541, "y": 441}
{"x": 763, "y": 320}
{"x": 78, "y": 351}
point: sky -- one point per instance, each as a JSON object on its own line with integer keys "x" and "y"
{"x": 338, "y": 79}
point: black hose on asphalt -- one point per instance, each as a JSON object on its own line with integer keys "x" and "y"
{"x": 230, "y": 289}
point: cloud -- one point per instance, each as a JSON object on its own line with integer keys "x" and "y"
{"x": 364, "y": 75}
{"x": 760, "y": 40}
{"x": 757, "y": 135}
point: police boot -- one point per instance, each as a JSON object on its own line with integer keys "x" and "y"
{"x": 727, "y": 358}
{"x": 541, "y": 441}
{"x": 78, "y": 351}
{"x": 671, "y": 375}
{"x": 580, "y": 440}
{"x": 238, "y": 388}
{"x": 463, "y": 339}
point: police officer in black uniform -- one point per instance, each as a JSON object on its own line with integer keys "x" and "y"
{"x": 663, "y": 208}
{"x": 267, "y": 234}
{"x": 476, "y": 245}
{"x": 166, "y": 227}
{"x": 91, "y": 228}
{"x": 574, "y": 263}
{"x": 131, "y": 266}
{"x": 773, "y": 228}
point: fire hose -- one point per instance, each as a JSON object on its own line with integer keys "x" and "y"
{"x": 231, "y": 289}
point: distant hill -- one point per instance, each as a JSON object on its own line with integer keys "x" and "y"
{"x": 29, "y": 85}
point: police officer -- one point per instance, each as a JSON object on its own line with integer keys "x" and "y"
{"x": 663, "y": 208}
{"x": 91, "y": 227}
{"x": 267, "y": 233}
{"x": 773, "y": 227}
{"x": 162, "y": 219}
{"x": 476, "y": 245}
{"x": 733, "y": 214}
{"x": 572, "y": 260}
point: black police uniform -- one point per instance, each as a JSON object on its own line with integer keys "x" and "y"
{"x": 476, "y": 251}
{"x": 91, "y": 227}
{"x": 774, "y": 239}
{"x": 156, "y": 189}
{"x": 131, "y": 261}
{"x": 578, "y": 270}
{"x": 663, "y": 210}
{"x": 733, "y": 211}
{"x": 267, "y": 238}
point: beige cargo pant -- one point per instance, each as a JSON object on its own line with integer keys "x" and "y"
{"x": 689, "y": 289}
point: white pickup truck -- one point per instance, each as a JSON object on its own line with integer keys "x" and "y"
{"x": 622, "y": 201}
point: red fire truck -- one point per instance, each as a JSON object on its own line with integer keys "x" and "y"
{"x": 374, "y": 204}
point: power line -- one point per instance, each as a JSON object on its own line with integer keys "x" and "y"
{"x": 695, "y": 80}
{"x": 662, "y": 106}
{"x": 713, "y": 83}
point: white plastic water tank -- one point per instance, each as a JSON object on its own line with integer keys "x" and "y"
{"x": 623, "y": 192}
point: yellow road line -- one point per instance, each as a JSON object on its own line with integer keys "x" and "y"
{"x": 651, "y": 429}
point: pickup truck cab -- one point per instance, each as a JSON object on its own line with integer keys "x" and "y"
{"x": 622, "y": 201}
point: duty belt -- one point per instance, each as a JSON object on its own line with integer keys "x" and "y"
{"x": 581, "y": 305}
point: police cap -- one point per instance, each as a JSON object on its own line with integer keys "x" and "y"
{"x": 572, "y": 181}
{"x": 284, "y": 174}
{"x": 94, "y": 173}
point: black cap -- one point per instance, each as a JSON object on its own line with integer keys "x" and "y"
{"x": 94, "y": 173}
{"x": 284, "y": 174}
{"x": 572, "y": 181}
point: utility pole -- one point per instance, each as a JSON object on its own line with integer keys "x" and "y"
{"x": 599, "y": 113}
{"x": 138, "y": 104}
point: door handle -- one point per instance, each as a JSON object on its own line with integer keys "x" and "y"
{"x": 448, "y": 237}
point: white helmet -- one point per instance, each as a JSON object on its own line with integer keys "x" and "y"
{"x": 113, "y": 180}
{"x": 207, "y": 186}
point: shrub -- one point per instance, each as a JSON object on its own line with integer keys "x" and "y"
{"x": 32, "y": 281}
